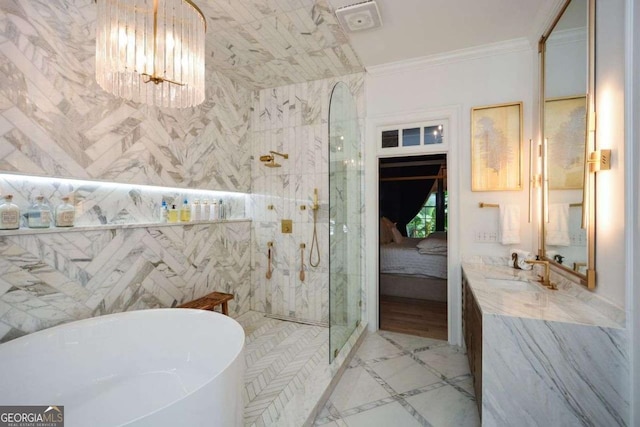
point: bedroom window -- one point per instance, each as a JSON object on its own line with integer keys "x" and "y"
{"x": 425, "y": 221}
{"x": 412, "y": 136}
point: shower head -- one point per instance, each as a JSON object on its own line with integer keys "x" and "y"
{"x": 283, "y": 155}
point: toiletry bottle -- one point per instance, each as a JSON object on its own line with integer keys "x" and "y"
{"x": 185, "y": 212}
{"x": 172, "y": 214}
{"x": 164, "y": 212}
{"x": 65, "y": 213}
{"x": 39, "y": 214}
{"x": 221, "y": 210}
{"x": 206, "y": 210}
{"x": 214, "y": 210}
{"x": 9, "y": 214}
{"x": 196, "y": 213}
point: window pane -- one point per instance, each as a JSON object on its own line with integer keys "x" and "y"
{"x": 389, "y": 138}
{"x": 410, "y": 137}
{"x": 433, "y": 134}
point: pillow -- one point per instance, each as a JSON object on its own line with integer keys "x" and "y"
{"x": 397, "y": 236}
{"x": 386, "y": 235}
{"x": 434, "y": 244}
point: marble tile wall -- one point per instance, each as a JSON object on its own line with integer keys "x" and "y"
{"x": 293, "y": 119}
{"x": 55, "y": 121}
{"x": 271, "y": 43}
{"x": 52, "y": 278}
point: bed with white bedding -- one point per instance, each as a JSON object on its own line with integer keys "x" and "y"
{"x": 405, "y": 272}
{"x": 404, "y": 258}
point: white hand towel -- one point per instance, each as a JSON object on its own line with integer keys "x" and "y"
{"x": 558, "y": 225}
{"x": 522, "y": 257}
{"x": 509, "y": 224}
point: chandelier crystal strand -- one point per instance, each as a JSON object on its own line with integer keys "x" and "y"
{"x": 151, "y": 51}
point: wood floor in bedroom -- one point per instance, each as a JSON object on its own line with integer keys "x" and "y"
{"x": 414, "y": 316}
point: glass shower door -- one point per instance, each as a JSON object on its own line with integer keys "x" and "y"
{"x": 345, "y": 218}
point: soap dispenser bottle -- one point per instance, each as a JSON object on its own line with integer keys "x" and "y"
{"x": 172, "y": 214}
{"x": 9, "y": 214}
{"x": 185, "y": 212}
{"x": 39, "y": 214}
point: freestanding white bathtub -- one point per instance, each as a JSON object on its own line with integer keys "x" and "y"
{"x": 164, "y": 367}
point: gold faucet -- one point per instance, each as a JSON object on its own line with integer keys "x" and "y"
{"x": 545, "y": 278}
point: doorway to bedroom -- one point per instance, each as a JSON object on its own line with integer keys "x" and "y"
{"x": 413, "y": 202}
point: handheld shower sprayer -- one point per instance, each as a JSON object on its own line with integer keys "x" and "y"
{"x": 314, "y": 241}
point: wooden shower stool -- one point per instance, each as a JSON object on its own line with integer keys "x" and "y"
{"x": 210, "y": 301}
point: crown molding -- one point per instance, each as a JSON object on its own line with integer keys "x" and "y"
{"x": 492, "y": 49}
{"x": 568, "y": 36}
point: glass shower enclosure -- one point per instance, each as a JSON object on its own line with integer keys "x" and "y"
{"x": 345, "y": 218}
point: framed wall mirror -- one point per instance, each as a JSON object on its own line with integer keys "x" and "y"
{"x": 567, "y": 233}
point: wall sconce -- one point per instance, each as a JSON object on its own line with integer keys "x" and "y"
{"x": 599, "y": 160}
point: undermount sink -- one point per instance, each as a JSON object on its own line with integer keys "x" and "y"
{"x": 511, "y": 284}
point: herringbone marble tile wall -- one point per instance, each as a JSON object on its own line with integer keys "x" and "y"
{"x": 56, "y": 121}
{"x": 52, "y": 278}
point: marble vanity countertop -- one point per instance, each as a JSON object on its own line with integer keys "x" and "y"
{"x": 505, "y": 291}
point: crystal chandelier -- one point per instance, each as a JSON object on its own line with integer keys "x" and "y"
{"x": 151, "y": 51}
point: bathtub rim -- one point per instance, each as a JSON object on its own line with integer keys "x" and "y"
{"x": 236, "y": 355}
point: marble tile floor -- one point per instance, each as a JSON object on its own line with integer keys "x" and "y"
{"x": 402, "y": 380}
{"x": 279, "y": 357}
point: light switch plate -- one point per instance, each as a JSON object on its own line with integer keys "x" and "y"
{"x": 287, "y": 226}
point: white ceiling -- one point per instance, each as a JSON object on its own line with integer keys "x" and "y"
{"x": 418, "y": 28}
{"x": 270, "y": 43}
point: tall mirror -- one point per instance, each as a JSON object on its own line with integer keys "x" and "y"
{"x": 565, "y": 97}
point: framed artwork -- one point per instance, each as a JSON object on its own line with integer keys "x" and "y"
{"x": 565, "y": 129}
{"x": 496, "y": 147}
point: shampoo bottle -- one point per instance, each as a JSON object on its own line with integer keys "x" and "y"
{"x": 185, "y": 212}
{"x": 196, "y": 213}
{"x": 206, "y": 210}
{"x": 222, "y": 214}
{"x": 9, "y": 214}
{"x": 214, "y": 210}
{"x": 164, "y": 212}
{"x": 39, "y": 214}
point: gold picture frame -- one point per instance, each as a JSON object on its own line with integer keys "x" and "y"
{"x": 565, "y": 124}
{"x": 496, "y": 147}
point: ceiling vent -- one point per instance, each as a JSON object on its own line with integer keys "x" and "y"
{"x": 359, "y": 16}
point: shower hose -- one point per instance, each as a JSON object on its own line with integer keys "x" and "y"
{"x": 314, "y": 242}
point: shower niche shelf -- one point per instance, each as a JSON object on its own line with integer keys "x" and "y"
{"x": 102, "y": 227}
